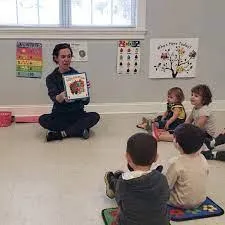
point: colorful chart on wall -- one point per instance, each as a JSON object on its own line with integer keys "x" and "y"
{"x": 173, "y": 58}
{"x": 128, "y": 57}
{"x": 29, "y": 59}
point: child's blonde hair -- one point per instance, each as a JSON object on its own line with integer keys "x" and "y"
{"x": 178, "y": 93}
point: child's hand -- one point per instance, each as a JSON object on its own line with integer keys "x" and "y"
{"x": 167, "y": 125}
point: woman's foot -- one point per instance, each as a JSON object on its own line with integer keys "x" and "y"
{"x": 85, "y": 134}
{"x": 54, "y": 136}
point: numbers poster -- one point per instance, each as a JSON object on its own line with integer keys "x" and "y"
{"x": 128, "y": 57}
{"x": 29, "y": 60}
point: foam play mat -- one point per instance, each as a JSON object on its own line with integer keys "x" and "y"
{"x": 207, "y": 209}
{"x": 110, "y": 216}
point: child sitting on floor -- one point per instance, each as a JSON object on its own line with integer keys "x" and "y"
{"x": 173, "y": 116}
{"x": 203, "y": 117}
{"x": 141, "y": 194}
{"x": 187, "y": 174}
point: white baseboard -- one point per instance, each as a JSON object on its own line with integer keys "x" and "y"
{"x": 106, "y": 108}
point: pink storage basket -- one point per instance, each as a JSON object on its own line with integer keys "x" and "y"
{"x": 5, "y": 118}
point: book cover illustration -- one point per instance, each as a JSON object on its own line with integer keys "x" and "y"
{"x": 76, "y": 86}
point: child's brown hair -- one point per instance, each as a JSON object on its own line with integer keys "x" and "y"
{"x": 178, "y": 93}
{"x": 204, "y": 91}
{"x": 142, "y": 148}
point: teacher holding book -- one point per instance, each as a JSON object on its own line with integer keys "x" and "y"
{"x": 68, "y": 118}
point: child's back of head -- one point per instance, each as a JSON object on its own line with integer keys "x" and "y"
{"x": 142, "y": 149}
{"x": 189, "y": 137}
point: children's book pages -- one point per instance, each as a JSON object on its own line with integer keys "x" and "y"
{"x": 76, "y": 86}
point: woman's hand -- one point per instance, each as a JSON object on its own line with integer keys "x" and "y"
{"x": 61, "y": 97}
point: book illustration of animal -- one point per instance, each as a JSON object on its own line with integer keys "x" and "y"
{"x": 77, "y": 86}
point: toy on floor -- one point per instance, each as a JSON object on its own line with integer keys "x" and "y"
{"x": 26, "y": 119}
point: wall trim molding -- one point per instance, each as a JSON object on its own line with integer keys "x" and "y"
{"x": 73, "y": 34}
{"x": 105, "y": 108}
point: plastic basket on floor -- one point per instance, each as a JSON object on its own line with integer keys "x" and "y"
{"x": 5, "y": 118}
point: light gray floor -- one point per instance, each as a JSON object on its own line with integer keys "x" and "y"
{"x": 61, "y": 183}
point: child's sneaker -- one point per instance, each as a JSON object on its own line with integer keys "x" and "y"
{"x": 109, "y": 190}
{"x": 220, "y": 139}
{"x": 208, "y": 143}
{"x": 149, "y": 126}
{"x": 159, "y": 168}
{"x": 208, "y": 154}
{"x": 118, "y": 173}
{"x": 143, "y": 124}
{"x": 220, "y": 155}
{"x": 53, "y": 136}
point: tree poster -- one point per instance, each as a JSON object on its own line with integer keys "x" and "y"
{"x": 29, "y": 59}
{"x": 173, "y": 58}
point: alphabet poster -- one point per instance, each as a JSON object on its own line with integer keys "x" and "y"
{"x": 173, "y": 58}
{"x": 128, "y": 57}
{"x": 29, "y": 59}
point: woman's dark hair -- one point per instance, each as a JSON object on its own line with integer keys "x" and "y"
{"x": 58, "y": 47}
{"x": 204, "y": 91}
